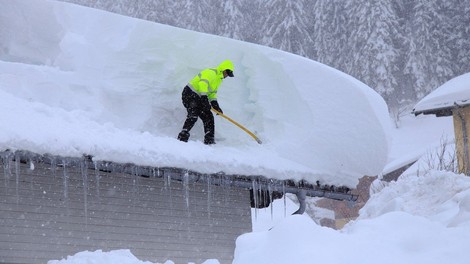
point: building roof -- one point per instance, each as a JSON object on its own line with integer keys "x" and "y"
{"x": 256, "y": 183}
{"x": 453, "y": 94}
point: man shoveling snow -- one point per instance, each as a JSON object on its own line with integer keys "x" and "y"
{"x": 199, "y": 96}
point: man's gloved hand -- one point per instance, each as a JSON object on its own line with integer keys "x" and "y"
{"x": 205, "y": 103}
{"x": 216, "y": 106}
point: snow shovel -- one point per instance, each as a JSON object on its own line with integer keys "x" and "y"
{"x": 238, "y": 125}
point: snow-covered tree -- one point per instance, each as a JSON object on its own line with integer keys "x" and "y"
{"x": 373, "y": 57}
{"x": 286, "y": 26}
{"x": 163, "y": 11}
{"x": 233, "y": 18}
{"x": 461, "y": 24}
{"x": 429, "y": 55}
{"x": 330, "y": 29}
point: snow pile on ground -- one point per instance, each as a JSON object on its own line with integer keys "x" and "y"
{"x": 422, "y": 219}
{"x": 418, "y": 136}
{"x": 82, "y": 81}
{"x": 121, "y": 256}
{"x": 442, "y": 197}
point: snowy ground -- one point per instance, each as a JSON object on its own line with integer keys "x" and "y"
{"x": 110, "y": 86}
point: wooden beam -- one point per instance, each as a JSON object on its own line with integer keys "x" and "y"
{"x": 461, "y": 117}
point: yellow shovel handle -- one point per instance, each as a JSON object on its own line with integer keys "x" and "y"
{"x": 238, "y": 125}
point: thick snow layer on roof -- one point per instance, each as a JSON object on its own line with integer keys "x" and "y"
{"x": 79, "y": 81}
{"x": 454, "y": 92}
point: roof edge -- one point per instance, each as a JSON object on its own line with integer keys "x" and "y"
{"x": 442, "y": 111}
{"x": 254, "y": 183}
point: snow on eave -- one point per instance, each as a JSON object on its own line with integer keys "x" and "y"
{"x": 453, "y": 94}
{"x": 444, "y": 109}
{"x": 258, "y": 183}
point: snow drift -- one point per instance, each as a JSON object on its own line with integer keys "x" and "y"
{"x": 414, "y": 220}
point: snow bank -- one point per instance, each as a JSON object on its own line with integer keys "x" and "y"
{"x": 438, "y": 196}
{"x": 122, "y": 256}
{"x": 78, "y": 80}
{"x": 418, "y": 136}
{"x": 414, "y": 220}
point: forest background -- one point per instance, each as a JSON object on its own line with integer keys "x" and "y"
{"x": 403, "y": 49}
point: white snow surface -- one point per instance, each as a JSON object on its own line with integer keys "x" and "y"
{"x": 454, "y": 91}
{"x": 82, "y": 81}
{"x": 120, "y": 256}
{"x": 75, "y": 80}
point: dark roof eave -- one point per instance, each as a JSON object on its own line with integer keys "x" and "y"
{"x": 180, "y": 174}
{"x": 438, "y": 112}
{"x": 442, "y": 111}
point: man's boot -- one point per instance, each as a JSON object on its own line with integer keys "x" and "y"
{"x": 209, "y": 140}
{"x": 209, "y": 136}
{"x": 183, "y": 136}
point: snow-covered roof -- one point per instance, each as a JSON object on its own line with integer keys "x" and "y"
{"x": 452, "y": 94}
{"x": 77, "y": 81}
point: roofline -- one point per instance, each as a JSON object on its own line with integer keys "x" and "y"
{"x": 444, "y": 111}
{"x": 251, "y": 182}
{"x": 441, "y": 111}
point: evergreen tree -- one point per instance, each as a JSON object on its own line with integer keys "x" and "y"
{"x": 122, "y": 7}
{"x": 428, "y": 64}
{"x": 461, "y": 23}
{"x": 195, "y": 15}
{"x": 254, "y": 12}
{"x": 330, "y": 32}
{"x": 162, "y": 11}
{"x": 371, "y": 39}
{"x": 287, "y": 26}
{"x": 232, "y": 20}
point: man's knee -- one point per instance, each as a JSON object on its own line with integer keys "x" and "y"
{"x": 206, "y": 115}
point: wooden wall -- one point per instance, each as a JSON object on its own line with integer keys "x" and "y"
{"x": 52, "y": 211}
{"x": 461, "y": 118}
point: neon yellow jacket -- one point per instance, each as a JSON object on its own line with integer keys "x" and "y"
{"x": 207, "y": 81}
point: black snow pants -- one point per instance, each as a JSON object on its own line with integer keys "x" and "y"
{"x": 197, "y": 107}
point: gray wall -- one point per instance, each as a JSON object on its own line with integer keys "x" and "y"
{"x": 49, "y": 212}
